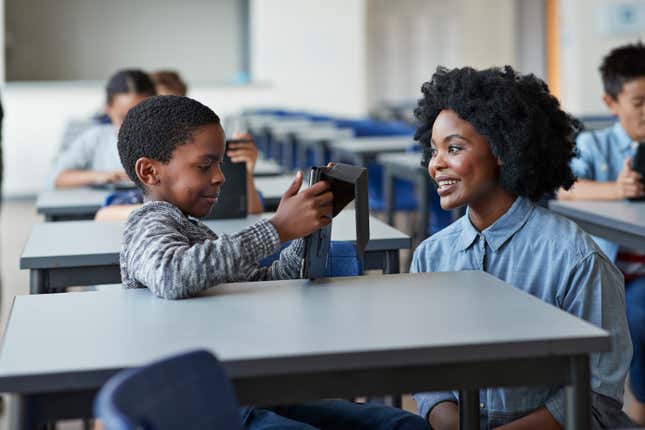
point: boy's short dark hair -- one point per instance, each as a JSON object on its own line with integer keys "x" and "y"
{"x": 158, "y": 125}
{"x": 620, "y": 66}
{"x": 523, "y": 123}
{"x": 129, "y": 81}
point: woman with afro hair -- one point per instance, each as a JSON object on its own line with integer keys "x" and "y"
{"x": 497, "y": 142}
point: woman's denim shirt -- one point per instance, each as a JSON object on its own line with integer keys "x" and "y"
{"x": 551, "y": 258}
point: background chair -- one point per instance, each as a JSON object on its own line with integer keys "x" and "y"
{"x": 187, "y": 391}
{"x": 343, "y": 260}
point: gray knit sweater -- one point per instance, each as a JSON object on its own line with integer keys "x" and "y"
{"x": 176, "y": 256}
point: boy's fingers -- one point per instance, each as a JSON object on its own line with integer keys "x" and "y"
{"x": 295, "y": 185}
{"x": 323, "y": 198}
{"x": 318, "y": 188}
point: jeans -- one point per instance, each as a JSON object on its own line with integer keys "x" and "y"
{"x": 332, "y": 415}
{"x": 635, "y": 303}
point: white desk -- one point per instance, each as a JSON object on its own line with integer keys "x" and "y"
{"x": 339, "y": 337}
{"x": 71, "y": 253}
{"x": 622, "y": 222}
{"x": 363, "y": 150}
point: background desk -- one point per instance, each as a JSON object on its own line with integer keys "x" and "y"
{"x": 363, "y": 150}
{"x": 83, "y": 203}
{"x": 73, "y": 253}
{"x": 406, "y": 166}
{"x": 622, "y": 222}
{"x": 339, "y": 337}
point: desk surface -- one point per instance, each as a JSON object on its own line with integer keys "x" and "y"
{"x": 90, "y": 243}
{"x": 613, "y": 220}
{"x": 69, "y": 341}
{"x": 264, "y": 167}
{"x": 411, "y": 160}
{"x": 369, "y": 145}
{"x": 86, "y": 201}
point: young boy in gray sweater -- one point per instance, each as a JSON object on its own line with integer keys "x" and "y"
{"x": 172, "y": 148}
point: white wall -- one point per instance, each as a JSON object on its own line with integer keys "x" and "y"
{"x": 583, "y": 46}
{"x": 310, "y": 55}
{"x": 313, "y": 52}
{"x": 408, "y": 39}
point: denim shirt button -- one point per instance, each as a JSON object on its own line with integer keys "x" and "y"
{"x": 482, "y": 406}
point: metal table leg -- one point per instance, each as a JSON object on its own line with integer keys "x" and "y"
{"x": 38, "y": 281}
{"x": 468, "y": 409}
{"x": 579, "y": 394}
{"x": 391, "y": 262}
{"x": 388, "y": 193}
{"x": 423, "y": 188}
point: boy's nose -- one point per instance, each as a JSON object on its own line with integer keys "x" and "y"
{"x": 218, "y": 177}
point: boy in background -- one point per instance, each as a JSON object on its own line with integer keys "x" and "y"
{"x": 604, "y": 173}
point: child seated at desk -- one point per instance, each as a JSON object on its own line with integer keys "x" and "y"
{"x": 239, "y": 152}
{"x": 172, "y": 148}
{"x": 93, "y": 157}
{"x": 496, "y": 142}
{"x": 604, "y": 172}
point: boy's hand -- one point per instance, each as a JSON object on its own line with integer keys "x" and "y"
{"x": 629, "y": 183}
{"x": 301, "y": 213}
{"x": 108, "y": 177}
{"x": 444, "y": 416}
{"x": 243, "y": 152}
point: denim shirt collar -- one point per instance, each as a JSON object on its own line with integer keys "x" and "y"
{"x": 622, "y": 138}
{"x": 501, "y": 230}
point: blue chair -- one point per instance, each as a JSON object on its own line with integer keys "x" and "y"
{"x": 343, "y": 260}
{"x": 124, "y": 197}
{"x": 186, "y": 391}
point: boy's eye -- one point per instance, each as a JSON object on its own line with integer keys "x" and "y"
{"x": 204, "y": 167}
{"x": 432, "y": 152}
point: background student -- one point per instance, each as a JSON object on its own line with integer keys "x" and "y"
{"x": 604, "y": 173}
{"x": 93, "y": 158}
{"x": 491, "y": 136}
{"x": 169, "y": 83}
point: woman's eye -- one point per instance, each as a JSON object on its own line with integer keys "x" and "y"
{"x": 433, "y": 152}
{"x": 452, "y": 149}
{"x": 204, "y": 167}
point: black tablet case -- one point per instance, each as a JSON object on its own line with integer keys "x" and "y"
{"x": 232, "y": 202}
{"x": 638, "y": 164}
{"x": 347, "y": 183}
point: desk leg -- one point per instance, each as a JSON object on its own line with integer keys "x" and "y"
{"x": 579, "y": 394}
{"x": 423, "y": 188}
{"x": 38, "y": 281}
{"x": 392, "y": 262}
{"x": 388, "y": 194}
{"x": 468, "y": 409}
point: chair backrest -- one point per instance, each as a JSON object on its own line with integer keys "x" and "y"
{"x": 343, "y": 260}
{"x": 187, "y": 391}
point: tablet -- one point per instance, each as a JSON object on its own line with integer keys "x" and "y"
{"x": 347, "y": 183}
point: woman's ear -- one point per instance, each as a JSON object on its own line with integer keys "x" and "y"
{"x": 500, "y": 163}
{"x": 147, "y": 171}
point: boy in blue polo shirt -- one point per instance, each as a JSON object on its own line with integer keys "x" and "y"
{"x": 604, "y": 173}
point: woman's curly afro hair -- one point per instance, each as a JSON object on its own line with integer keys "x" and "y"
{"x": 523, "y": 123}
{"x": 158, "y": 125}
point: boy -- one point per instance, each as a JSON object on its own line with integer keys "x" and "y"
{"x": 603, "y": 169}
{"x": 172, "y": 148}
{"x": 489, "y": 135}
